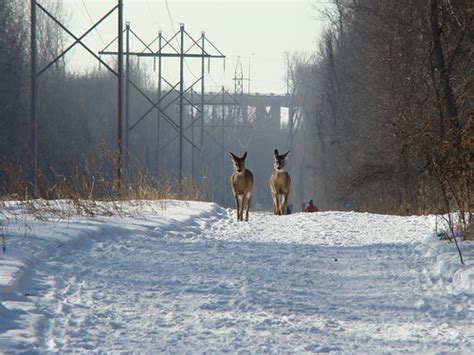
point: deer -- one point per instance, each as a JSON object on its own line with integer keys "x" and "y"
{"x": 242, "y": 184}
{"x": 280, "y": 184}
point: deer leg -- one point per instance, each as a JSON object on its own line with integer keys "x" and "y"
{"x": 242, "y": 205}
{"x": 284, "y": 204}
{"x": 277, "y": 201}
{"x": 249, "y": 197}
{"x": 236, "y": 197}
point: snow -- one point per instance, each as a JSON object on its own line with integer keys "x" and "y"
{"x": 186, "y": 277}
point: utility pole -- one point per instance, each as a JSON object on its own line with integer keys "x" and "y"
{"x": 127, "y": 103}
{"x": 192, "y": 134}
{"x": 181, "y": 88}
{"x": 202, "y": 88}
{"x": 78, "y": 40}
{"x": 239, "y": 89}
{"x": 238, "y": 78}
{"x": 120, "y": 95}
{"x": 158, "y": 124}
{"x": 182, "y": 53}
{"x": 223, "y": 146}
{"x": 34, "y": 90}
{"x": 202, "y": 102}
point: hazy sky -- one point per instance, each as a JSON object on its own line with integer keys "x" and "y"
{"x": 259, "y": 31}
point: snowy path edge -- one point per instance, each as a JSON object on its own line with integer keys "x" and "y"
{"x": 16, "y": 264}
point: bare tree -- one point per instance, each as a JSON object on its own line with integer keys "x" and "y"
{"x": 391, "y": 88}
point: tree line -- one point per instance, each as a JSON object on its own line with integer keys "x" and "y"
{"x": 387, "y": 102}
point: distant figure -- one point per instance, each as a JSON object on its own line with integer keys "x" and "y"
{"x": 289, "y": 209}
{"x": 303, "y": 206}
{"x": 311, "y": 207}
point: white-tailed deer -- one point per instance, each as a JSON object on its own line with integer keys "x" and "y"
{"x": 280, "y": 184}
{"x": 242, "y": 184}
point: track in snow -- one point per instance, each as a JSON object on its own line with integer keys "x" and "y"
{"x": 306, "y": 282}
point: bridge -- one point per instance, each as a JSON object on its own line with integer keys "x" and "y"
{"x": 265, "y": 107}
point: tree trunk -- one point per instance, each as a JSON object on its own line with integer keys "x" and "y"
{"x": 439, "y": 63}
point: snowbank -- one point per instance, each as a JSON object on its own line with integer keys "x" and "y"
{"x": 30, "y": 240}
{"x": 445, "y": 273}
{"x": 186, "y": 277}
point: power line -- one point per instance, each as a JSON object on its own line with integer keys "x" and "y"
{"x": 92, "y": 21}
{"x": 96, "y": 30}
{"x": 170, "y": 17}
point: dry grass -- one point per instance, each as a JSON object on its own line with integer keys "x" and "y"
{"x": 88, "y": 188}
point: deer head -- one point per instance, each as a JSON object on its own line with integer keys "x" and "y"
{"x": 239, "y": 163}
{"x": 280, "y": 160}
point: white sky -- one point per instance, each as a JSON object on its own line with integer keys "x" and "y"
{"x": 257, "y": 30}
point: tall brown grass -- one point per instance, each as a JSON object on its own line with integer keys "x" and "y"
{"x": 89, "y": 187}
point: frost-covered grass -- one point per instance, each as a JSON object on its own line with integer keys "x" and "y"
{"x": 186, "y": 277}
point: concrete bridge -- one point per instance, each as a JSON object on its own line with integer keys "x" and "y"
{"x": 267, "y": 107}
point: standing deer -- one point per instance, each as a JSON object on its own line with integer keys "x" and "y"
{"x": 242, "y": 184}
{"x": 280, "y": 184}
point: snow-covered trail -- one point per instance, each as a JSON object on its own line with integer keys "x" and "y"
{"x": 318, "y": 282}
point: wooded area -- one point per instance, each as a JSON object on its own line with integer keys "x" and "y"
{"x": 387, "y": 101}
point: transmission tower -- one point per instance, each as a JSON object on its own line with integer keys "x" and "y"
{"x": 238, "y": 78}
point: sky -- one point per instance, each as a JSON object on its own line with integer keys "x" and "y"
{"x": 256, "y": 32}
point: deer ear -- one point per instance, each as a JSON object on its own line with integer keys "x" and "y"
{"x": 288, "y": 152}
{"x": 244, "y": 156}
{"x": 232, "y": 156}
{"x": 276, "y": 152}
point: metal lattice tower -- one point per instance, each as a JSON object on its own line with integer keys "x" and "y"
{"x": 238, "y": 78}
